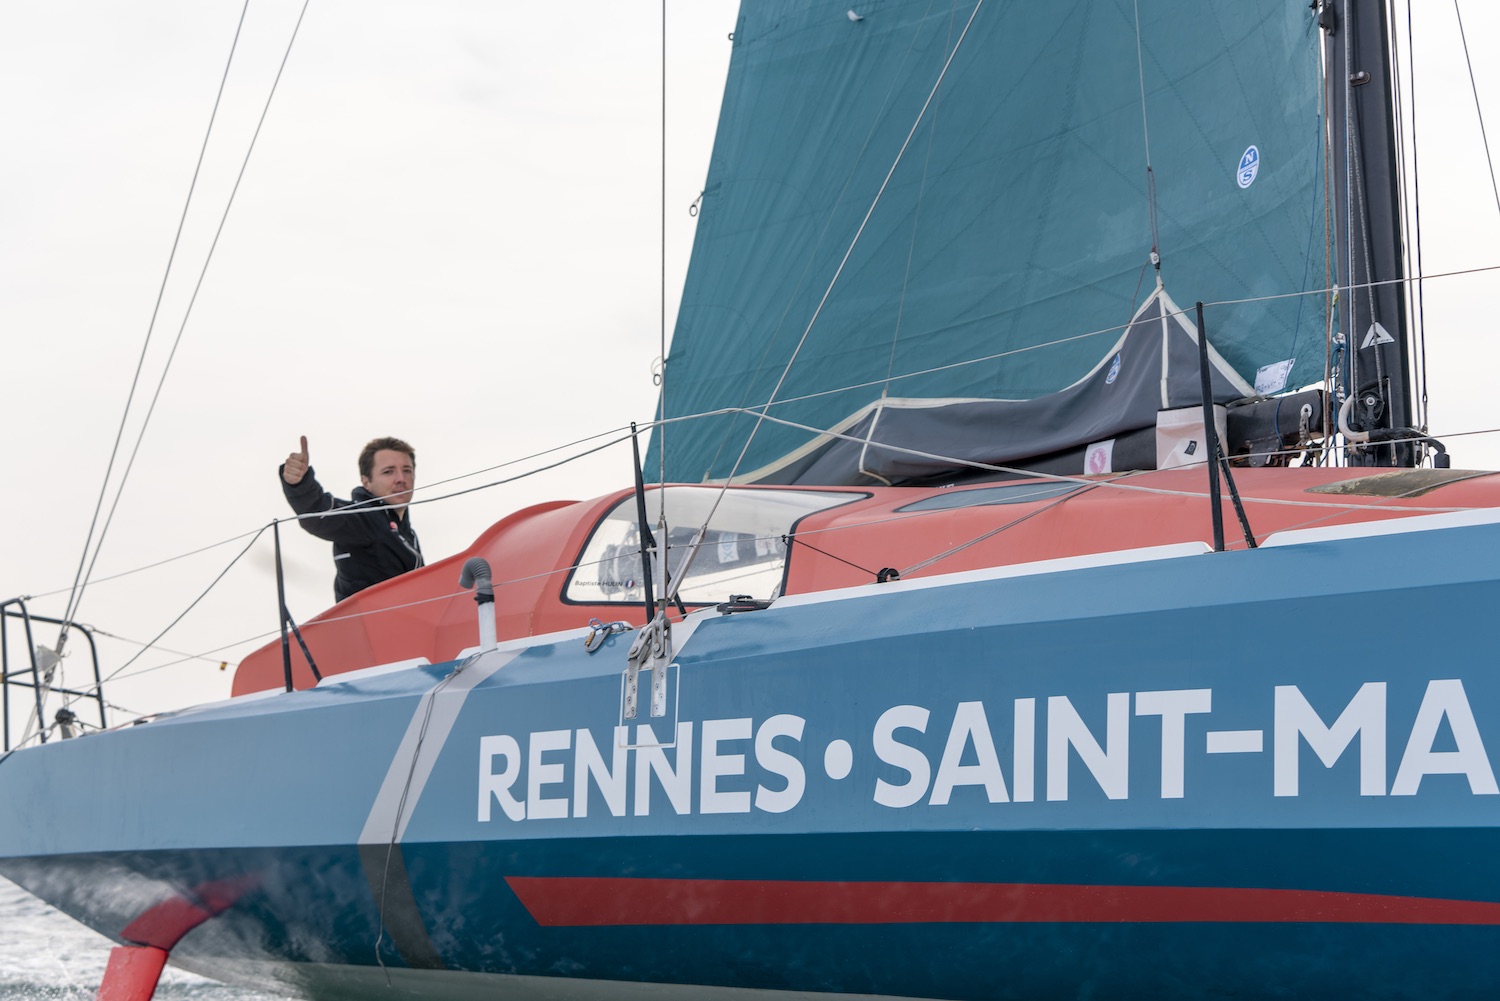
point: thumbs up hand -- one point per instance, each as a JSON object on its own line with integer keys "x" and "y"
{"x": 296, "y": 465}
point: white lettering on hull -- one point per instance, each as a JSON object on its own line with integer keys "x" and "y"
{"x": 934, "y": 757}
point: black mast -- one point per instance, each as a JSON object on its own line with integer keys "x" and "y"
{"x": 1367, "y": 224}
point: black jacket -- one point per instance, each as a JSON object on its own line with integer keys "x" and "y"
{"x": 370, "y": 546}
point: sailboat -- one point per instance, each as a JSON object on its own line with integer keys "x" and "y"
{"x": 1050, "y": 589}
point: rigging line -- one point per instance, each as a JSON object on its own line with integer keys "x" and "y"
{"x": 924, "y": 564}
{"x": 176, "y": 653}
{"x": 1421, "y": 291}
{"x": 838, "y": 272}
{"x": 207, "y": 260}
{"x": 1338, "y": 508}
{"x": 411, "y": 772}
{"x": 1379, "y": 503}
{"x": 812, "y": 253}
{"x": 1404, "y": 116}
{"x": 719, "y": 412}
{"x": 661, "y": 431}
{"x": 380, "y": 611}
{"x": 375, "y": 503}
{"x": 622, "y": 432}
{"x": 1118, "y": 328}
{"x": 357, "y": 509}
{"x": 523, "y": 475}
{"x": 1362, "y": 286}
{"x": 1358, "y": 196}
{"x": 205, "y": 655}
{"x": 351, "y": 617}
{"x": 1474, "y": 89}
{"x": 1349, "y": 333}
{"x": 916, "y": 223}
{"x": 361, "y": 507}
{"x": 1135, "y": 296}
{"x": 1064, "y": 478}
{"x": 1092, "y": 333}
{"x": 120, "y": 712}
{"x": 242, "y": 535}
{"x": 1140, "y": 65}
{"x": 1407, "y": 279}
{"x": 365, "y": 505}
{"x": 1325, "y": 98}
{"x": 1356, "y": 166}
{"x": 1087, "y": 484}
{"x": 662, "y": 568}
{"x": 181, "y": 615}
{"x": 899, "y": 516}
{"x": 72, "y": 699}
{"x": 540, "y": 575}
{"x": 89, "y": 689}
{"x": 151, "y": 566}
{"x": 267, "y": 634}
{"x": 1312, "y": 229}
{"x": 119, "y": 674}
{"x": 1466, "y": 434}
{"x": 790, "y": 538}
{"x": 76, "y": 595}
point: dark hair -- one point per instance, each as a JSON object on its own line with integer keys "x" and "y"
{"x": 367, "y": 454}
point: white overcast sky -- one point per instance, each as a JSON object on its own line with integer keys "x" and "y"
{"x": 449, "y": 231}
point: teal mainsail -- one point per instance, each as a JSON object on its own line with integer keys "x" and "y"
{"x": 1007, "y": 249}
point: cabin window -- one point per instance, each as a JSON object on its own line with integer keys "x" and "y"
{"x": 741, "y": 553}
{"x": 1003, "y": 493}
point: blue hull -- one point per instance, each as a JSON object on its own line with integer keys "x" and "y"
{"x": 1155, "y": 774}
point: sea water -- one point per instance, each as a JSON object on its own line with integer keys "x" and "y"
{"x": 47, "y": 956}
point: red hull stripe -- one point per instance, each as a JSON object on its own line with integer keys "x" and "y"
{"x": 572, "y": 901}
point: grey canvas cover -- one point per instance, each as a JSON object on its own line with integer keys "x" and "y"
{"x": 1152, "y": 367}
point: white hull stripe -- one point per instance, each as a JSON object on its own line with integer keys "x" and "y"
{"x": 425, "y": 736}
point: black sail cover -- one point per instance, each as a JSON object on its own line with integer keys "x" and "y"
{"x": 1153, "y": 367}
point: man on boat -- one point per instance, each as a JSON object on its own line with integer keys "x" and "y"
{"x": 371, "y": 532}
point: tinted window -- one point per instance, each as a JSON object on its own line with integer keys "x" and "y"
{"x": 1004, "y": 493}
{"x": 741, "y": 552}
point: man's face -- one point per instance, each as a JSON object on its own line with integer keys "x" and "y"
{"x": 392, "y": 477}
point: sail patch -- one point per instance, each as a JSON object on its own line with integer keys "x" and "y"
{"x": 1099, "y": 458}
{"x": 1377, "y": 334}
{"x": 1249, "y": 167}
{"x": 1272, "y": 378}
